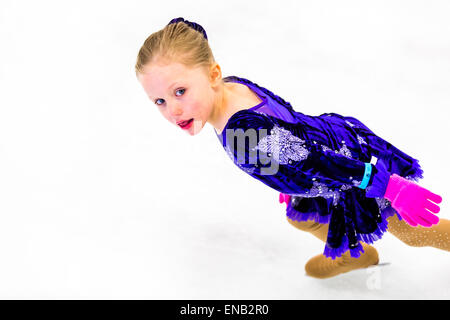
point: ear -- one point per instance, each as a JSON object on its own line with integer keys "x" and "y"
{"x": 215, "y": 74}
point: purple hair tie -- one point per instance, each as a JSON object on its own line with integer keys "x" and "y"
{"x": 193, "y": 25}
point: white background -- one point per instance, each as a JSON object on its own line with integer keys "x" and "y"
{"x": 101, "y": 198}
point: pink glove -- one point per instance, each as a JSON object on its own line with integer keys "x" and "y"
{"x": 284, "y": 198}
{"x": 412, "y": 201}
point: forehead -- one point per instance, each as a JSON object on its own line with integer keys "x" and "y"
{"x": 157, "y": 77}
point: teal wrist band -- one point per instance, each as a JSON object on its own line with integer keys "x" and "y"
{"x": 367, "y": 174}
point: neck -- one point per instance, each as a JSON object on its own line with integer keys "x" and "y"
{"x": 222, "y": 109}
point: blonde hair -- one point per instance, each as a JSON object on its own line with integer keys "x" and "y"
{"x": 179, "y": 41}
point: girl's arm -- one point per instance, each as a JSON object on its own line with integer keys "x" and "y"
{"x": 273, "y": 151}
{"x": 278, "y": 156}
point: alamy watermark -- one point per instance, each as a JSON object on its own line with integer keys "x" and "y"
{"x": 374, "y": 280}
{"x": 268, "y": 161}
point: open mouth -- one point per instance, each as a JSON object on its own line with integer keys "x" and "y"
{"x": 186, "y": 124}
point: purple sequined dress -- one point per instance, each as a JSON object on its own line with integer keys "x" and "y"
{"x": 320, "y": 162}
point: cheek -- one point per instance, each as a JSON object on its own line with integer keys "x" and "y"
{"x": 165, "y": 114}
{"x": 198, "y": 104}
{"x": 191, "y": 108}
{"x": 196, "y": 108}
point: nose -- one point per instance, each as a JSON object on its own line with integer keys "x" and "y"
{"x": 174, "y": 110}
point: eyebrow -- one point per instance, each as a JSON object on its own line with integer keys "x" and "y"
{"x": 172, "y": 85}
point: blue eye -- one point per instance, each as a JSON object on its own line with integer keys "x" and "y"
{"x": 158, "y": 104}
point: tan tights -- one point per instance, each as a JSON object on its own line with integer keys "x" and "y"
{"x": 322, "y": 267}
{"x": 437, "y": 236}
{"x": 317, "y": 229}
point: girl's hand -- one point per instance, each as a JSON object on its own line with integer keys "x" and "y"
{"x": 284, "y": 198}
{"x": 412, "y": 201}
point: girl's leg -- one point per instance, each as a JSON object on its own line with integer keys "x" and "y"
{"x": 323, "y": 267}
{"x": 437, "y": 236}
{"x": 317, "y": 229}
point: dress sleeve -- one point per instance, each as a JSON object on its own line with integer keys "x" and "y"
{"x": 277, "y": 153}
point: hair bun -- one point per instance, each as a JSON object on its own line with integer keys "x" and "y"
{"x": 193, "y": 25}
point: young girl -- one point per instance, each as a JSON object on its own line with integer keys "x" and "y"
{"x": 339, "y": 180}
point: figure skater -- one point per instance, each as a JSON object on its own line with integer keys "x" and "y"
{"x": 340, "y": 181}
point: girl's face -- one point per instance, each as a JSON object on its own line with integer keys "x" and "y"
{"x": 181, "y": 93}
